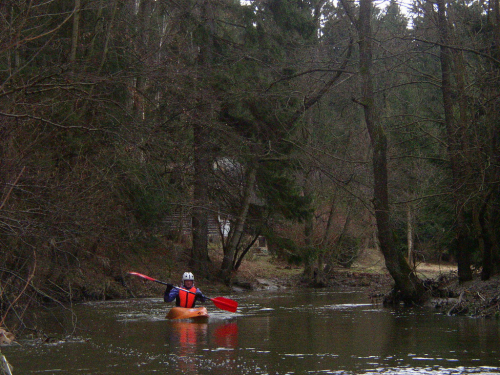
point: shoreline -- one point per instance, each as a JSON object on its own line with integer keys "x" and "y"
{"x": 266, "y": 273}
{"x": 475, "y": 298}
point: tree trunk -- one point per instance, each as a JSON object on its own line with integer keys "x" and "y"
{"x": 202, "y": 151}
{"x": 142, "y": 49}
{"x": 107, "y": 38}
{"x": 75, "y": 32}
{"x": 230, "y": 250}
{"x": 202, "y": 166}
{"x": 410, "y": 236}
{"x": 453, "y": 133}
{"x": 310, "y": 272}
{"x": 314, "y": 260}
{"x": 485, "y": 238}
{"x": 406, "y": 281}
{"x": 495, "y": 6}
{"x": 104, "y": 55}
{"x": 239, "y": 258}
{"x": 493, "y": 218}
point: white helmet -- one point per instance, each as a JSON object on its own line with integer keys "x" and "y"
{"x": 187, "y": 276}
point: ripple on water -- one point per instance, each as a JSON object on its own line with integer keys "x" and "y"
{"x": 435, "y": 370}
{"x": 141, "y": 317}
{"x": 344, "y": 306}
{"x": 267, "y": 336}
{"x": 37, "y": 343}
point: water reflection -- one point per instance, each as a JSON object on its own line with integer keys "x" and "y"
{"x": 187, "y": 337}
{"x": 417, "y": 336}
{"x": 223, "y": 351}
{"x": 191, "y": 341}
{"x": 315, "y": 332}
{"x": 226, "y": 336}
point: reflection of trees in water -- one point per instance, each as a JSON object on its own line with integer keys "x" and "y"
{"x": 436, "y": 338}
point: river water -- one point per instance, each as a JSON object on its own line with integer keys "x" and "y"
{"x": 290, "y": 332}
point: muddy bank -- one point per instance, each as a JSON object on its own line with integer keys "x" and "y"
{"x": 475, "y": 298}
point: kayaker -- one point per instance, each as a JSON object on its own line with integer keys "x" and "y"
{"x": 183, "y": 298}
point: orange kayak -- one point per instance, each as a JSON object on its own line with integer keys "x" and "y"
{"x": 186, "y": 313}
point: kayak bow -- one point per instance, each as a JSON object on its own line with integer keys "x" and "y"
{"x": 196, "y": 313}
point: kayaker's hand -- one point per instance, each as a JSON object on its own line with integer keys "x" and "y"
{"x": 169, "y": 288}
{"x": 199, "y": 295}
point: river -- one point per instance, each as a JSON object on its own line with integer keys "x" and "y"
{"x": 287, "y": 332}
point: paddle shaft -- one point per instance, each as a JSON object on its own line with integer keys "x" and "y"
{"x": 161, "y": 282}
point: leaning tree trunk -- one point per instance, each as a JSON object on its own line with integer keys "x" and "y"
{"x": 228, "y": 262}
{"x": 407, "y": 283}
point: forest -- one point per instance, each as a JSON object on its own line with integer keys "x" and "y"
{"x": 132, "y": 129}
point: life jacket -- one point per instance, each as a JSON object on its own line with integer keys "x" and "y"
{"x": 185, "y": 299}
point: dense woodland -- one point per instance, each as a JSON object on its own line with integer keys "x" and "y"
{"x": 325, "y": 127}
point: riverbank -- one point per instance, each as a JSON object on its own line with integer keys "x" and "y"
{"x": 265, "y": 272}
{"x": 474, "y": 298}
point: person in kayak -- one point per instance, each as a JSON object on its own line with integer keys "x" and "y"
{"x": 183, "y": 298}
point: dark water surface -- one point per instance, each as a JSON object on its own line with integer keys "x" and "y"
{"x": 291, "y": 332}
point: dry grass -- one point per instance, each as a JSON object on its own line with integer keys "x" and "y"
{"x": 372, "y": 261}
{"x": 267, "y": 267}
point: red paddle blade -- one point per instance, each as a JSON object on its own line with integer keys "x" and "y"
{"x": 141, "y": 275}
{"x": 225, "y": 303}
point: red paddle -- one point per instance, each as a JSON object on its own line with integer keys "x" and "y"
{"x": 221, "y": 302}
